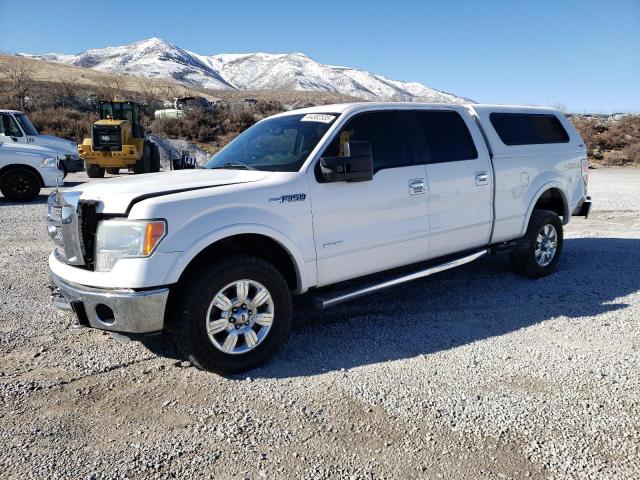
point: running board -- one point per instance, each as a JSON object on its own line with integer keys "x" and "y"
{"x": 331, "y": 299}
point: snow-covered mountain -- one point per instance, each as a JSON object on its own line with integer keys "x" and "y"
{"x": 156, "y": 58}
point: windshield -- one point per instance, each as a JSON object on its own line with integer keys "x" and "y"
{"x": 26, "y": 124}
{"x": 116, "y": 111}
{"x": 280, "y": 144}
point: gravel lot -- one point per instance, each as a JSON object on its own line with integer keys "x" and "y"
{"x": 473, "y": 373}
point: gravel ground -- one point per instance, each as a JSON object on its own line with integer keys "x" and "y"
{"x": 473, "y": 373}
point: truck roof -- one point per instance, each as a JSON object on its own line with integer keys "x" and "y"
{"x": 2, "y": 110}
{"x": 343, "y": 107}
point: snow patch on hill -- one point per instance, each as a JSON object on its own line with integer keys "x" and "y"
{"x": 156, "y": 58}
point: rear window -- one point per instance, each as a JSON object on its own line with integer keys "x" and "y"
{"x": 447, "y": 136}
{"x": 528, "y": 129}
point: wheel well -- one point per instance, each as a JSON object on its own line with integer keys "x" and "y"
{"x": 13, "y": 166}
{"x": 553, "y": 200}
{"x": 259, "y": 245}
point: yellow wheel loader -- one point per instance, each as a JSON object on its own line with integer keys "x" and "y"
{"x": 118, "y": 141}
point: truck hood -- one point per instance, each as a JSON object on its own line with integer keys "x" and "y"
{"x": 26, "y": 148}
{"x": 117, "y": 194}
{"x": 58, "y": 144}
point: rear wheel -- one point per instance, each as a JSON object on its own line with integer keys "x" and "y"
{"x": 94, "y": 171}
{"x": 538, "y": 252}
{"x": 232, "y": 315}
{"x": 155, "y": 158}
{"x": 20, "y": 185}
{"x": 113, "y": 171}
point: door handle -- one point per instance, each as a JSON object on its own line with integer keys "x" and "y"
{"x": 482, "y": 178}
{"x": 417, "y": 186}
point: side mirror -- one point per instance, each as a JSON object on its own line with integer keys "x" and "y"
{"x": 357, "y": 167}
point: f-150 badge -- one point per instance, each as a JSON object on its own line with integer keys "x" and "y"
{"x": 295, "y": 197}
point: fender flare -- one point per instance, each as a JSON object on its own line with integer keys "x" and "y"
{"x": 238, "y": 229}
{"x": 547, "y": 186}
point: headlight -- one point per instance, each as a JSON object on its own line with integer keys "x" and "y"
{"x": 121, "y": 238}
{"x": 49, "y": 162}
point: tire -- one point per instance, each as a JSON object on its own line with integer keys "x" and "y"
{"x": 113, "y": 171}
{"x": 193, "y": 304}
{"x": 94, "y": 171}
{"x": 143, "y": 165}
{"x": 534, "y": 259}
{"x": 155, "y": 158}
{"x": 20, "y": 185}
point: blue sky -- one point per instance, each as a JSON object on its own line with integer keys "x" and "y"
{"x": 583, "y": 54}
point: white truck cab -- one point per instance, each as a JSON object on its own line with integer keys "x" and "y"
{"x": 15, "y": 127}
{"x": 25, "y": 169}
{"x": 334, "y": 202}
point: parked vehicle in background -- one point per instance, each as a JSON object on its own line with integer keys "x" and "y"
{"x": 335, "y": 202}
{"x": 118, "y": 141}
{"x": 25, "y": 169}
{"x": 15, "y": 127}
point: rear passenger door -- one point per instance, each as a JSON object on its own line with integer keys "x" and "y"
{"x": 365, "y": 227}
{"x": 459, "y": 177}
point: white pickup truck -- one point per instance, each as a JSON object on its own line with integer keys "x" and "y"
{"x": 16, "y": 128}
{"x": 333, "y": 202}
{"x": 25, "y": 169}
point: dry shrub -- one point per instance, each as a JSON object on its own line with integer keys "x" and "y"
{"x": 610, "y": 141}
{"x": 63, "y": 122}
{"x": 192, "y": 126}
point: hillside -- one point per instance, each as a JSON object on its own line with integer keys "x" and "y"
{"x": 158, "y": 59}
{"x": 50, "y": 72}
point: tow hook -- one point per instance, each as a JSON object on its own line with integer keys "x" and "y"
{"x": 58, "y": 299}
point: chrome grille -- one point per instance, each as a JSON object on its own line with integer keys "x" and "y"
{"x": 55, "y": 214}
{"x": 64, "y": 227}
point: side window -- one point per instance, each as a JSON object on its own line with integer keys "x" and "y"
{"x": 528, "y": 129}
{"x": 447, "y": 136}
{"x": 9, "y": 126}
{"x": 389, "y": 145}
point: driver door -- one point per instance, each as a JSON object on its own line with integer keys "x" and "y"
{"x": 370, "y": 226}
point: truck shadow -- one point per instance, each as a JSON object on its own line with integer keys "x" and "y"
{"x": 458, "y": 307}
{"x": 453, "y": 308}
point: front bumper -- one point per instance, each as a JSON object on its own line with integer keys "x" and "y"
{"x": 52, "y": 177}
{"x": 116, "y": 310}
{"x": 72, "y": 164}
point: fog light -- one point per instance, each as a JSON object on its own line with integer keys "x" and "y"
{"x": 105, "y": 314}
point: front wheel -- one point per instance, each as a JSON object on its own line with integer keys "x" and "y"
{"x": 20, "y": 185}
{"x": 232, "y": 315}
{"x": 538, "y": 252}
{"x": 143, "y": 164}
{"x": 94, "y": 171}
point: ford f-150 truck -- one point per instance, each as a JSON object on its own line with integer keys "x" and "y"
{"x": 334, "y": 202}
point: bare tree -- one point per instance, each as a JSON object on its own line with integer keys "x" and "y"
{"x": 169, "y": 91}
{"x": 149, "y": 90}
{"x": 116, "y": 84}
{"x": 19, "y": 74}
{"x": 68, "y": 87}
{"x": 111, "y": 88}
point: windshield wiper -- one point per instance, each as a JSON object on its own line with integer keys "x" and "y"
{"x": 234, "y": 165}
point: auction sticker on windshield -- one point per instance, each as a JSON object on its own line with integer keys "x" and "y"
{"x": 318, "y": 117}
